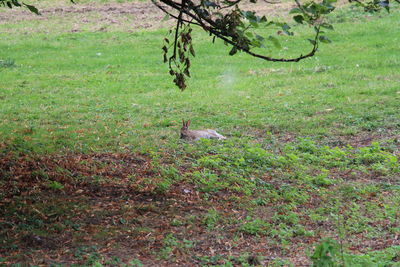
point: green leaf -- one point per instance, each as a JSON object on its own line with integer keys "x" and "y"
{"x": 259, "y": 38}
{"x": 191, "y": 49}
{"x": 324, "y": 39}
{"x": 249, "y": 34}
{"x": 254, "y": 24}
{"x": 286, "y": 28}
{"x": 329, "y": 1}
{"x": 275, "y": 42}
{"x": 313, "y": 42}
{"x": 256, "y": 43}
{"x": 209, "y": 4}
{"x": 32, "y": 9}
{"x": 233, "y": 51}
{"x": 250, "y": 15}
{"x": 299, "y": 19}
{"x": 16, "y": 3}
{"x": 187, "y": 72}
{"x": 263, "y": 19}
{"x": 385, "y": 5}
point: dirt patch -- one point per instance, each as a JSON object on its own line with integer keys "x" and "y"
{"x": 361, "y": 139}
{"x": 91, "y": 17}
{"x": 122, "y": 16}
{"x": 94, "y": 171}
{"x": 366, "y": 138}
{"x": 132, "y": 16}
{"x": 40, "y": 242}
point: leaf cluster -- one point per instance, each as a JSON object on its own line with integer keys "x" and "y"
{"x": 179, "y": 61}
{"x": 16, "y": 3}
{"x": 374, "y": 6}
{"x": 238, "y": 28}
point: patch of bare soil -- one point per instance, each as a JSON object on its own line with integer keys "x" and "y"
{"x": 366, "y": 138}
{"x": 93, "y": 16}
{"x": 360, "y": 139}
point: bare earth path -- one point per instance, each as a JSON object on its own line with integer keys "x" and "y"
{"x": 131, "y": 16}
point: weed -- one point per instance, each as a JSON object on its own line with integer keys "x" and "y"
{"x": 261, "y": 201}
{"x": 163, "y": 186}
{"x": 88, "y": 252}
{"x": 136, "y": 263}
{"x": 326, "y": 253}
{"x": 176, "y": 222}
{"x": 7, "y": 63}
{"x": 211, "y": 218}
{"x": 290, "y": 218}
{"x": 54, "y": 185}
{"x": 172, "y": 244}
{"x": 322, "y": 179}
{"x": 255, "y": 227}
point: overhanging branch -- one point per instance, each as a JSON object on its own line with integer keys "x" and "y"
{"x": 200, "y": 18}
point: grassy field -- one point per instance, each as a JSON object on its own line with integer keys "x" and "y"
{"x": 93, "y": 172}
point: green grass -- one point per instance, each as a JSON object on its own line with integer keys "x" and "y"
{"x": 90, "y": 149}
{"x": 96, "y": 91}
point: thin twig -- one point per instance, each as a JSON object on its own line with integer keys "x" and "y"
{"x": 172, "y": 15}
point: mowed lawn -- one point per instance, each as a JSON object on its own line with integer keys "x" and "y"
{"x": 93, "y": 171}
{"x": 105, "y": 90}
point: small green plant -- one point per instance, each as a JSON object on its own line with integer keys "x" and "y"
{"x": 170, "y": 172}
{"x": 208, "y": 181}
{"x": 114, "y": 261}
{"x": 211, "y": 218}
{"x": 290, "y": 218}
{"x": 87, "y": 251}
{"x": 40, "y": 174}
{"x": 54, "y": 185}
{"x": 325, "y": 254}
{"x": 261, "y": 201}
{"x": 163, "y": 186}
{"x": 255, "y": 227}
{"x": 177, "y": 222}
{"x": 7, "y": 63}
{"x": 171, "y": 244}
{"x": 93, "y": 258}
{"x": 322, "y": 179}
{"x": 136, "y": 263}
{"x": 211, "y": 161}
{"x": 293, "y": 195}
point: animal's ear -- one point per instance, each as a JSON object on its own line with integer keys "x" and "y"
{"x": 188, "y": 123}
{"x": 183, "y": 122}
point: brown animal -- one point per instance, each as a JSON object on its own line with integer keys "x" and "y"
{"x": 197, "y": 134}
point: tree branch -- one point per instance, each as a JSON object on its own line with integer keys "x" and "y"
{"x": 210, "y": 26}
